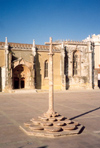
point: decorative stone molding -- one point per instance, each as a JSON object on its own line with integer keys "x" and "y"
{"x": 21, "y": 61}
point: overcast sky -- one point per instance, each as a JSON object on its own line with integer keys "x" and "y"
{"x": 24, "y": 20}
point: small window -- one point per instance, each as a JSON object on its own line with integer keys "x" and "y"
{"x": 46, "y": 68}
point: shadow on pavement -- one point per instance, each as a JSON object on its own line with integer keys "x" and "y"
{"x": 43, "y": 147}
{"x": 84, "y": 113}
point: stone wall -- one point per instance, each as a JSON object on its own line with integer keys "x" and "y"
{"x": 26, "y": 55}
{"x": 97, "y": 55}
{"x": 22, "y": 54}
{"x": 81, "y": 79}
{"x": 41, "y": 81}
{"x": 0, "y": 80}
{"x": 2, "y": 58}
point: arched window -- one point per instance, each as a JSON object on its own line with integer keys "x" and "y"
{"x": 75, "y": 63}
{"x": 46, "y": 68}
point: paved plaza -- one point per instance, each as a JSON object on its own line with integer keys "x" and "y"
{"x": 81, "y": 106}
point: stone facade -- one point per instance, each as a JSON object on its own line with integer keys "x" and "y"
{"x": 25, "y": 66}
{"x": 78, "y": 65}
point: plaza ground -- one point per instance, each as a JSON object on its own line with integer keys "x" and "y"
{"x": 81, "y": 106}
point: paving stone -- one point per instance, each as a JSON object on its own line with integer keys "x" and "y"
{"x": 66, "y": 103}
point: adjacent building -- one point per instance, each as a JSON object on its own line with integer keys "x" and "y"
{"x": 96, "y": 40}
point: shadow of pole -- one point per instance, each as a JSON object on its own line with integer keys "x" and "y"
{"x": 84, "y": 113}
{"x": 43, "y": 147}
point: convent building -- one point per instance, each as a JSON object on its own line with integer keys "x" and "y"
{"x": 25, "y": 66}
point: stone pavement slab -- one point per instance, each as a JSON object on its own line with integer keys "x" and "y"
{"x": 82, "y": 106}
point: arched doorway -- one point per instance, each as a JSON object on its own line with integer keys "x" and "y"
{"x": 22, "y": 82}
{"x": 21, "y": 77}
{"x": 16, "y": 83}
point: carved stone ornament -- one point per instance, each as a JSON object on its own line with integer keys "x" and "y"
{"x": 23, "y": 62}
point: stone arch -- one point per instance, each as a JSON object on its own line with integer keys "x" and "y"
{"x": 21, "y": 77}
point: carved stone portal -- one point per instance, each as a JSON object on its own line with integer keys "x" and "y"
{"x": 21, "y": 77}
